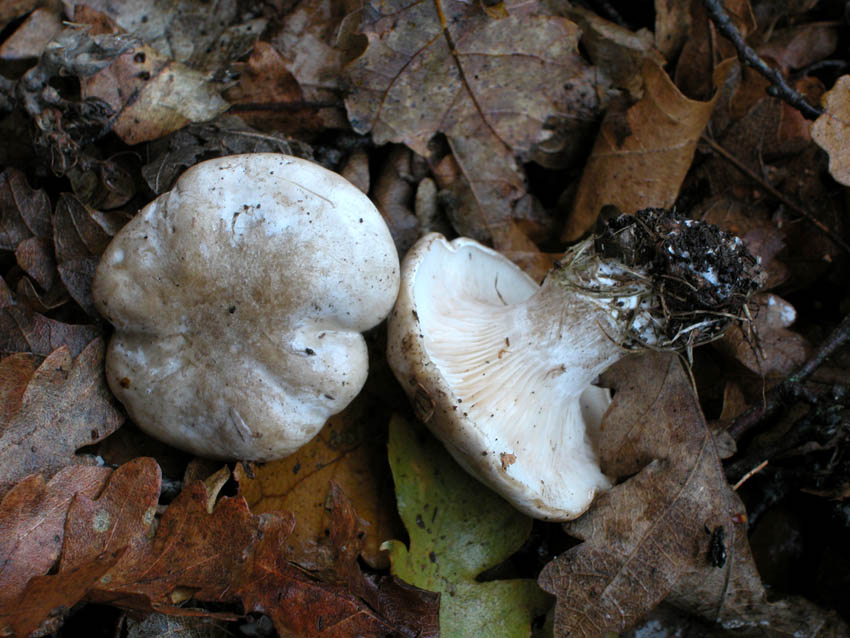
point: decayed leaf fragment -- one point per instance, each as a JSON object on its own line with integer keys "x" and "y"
{"x": 152, "y": 96}
{"x": 641, "y": 156}
{"x": 64, "y": 406}
{"x": 831, "y": 131}
{"x": 98, "y": 531}
{"x": 646, "y": 539}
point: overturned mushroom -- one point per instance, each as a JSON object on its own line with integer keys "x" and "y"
{"x": 501, "y": 369}
{"x": 238, "y": 300}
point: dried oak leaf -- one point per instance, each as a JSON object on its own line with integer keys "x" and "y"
{"x": 148, "y": 93}
{"x": 641, "y": 154}
{"x": 394, "y": 607}
{"x": 495, "y": 87}
{"x": 151, "y": 95}
{"x": 32, "y": 521}
{"x": 831, "y": 131}
{"x": 64, "y": 404}
{"x": 98, "y": 532}
{"x": 349, "y": 451}
{"x": 223, "y": 555}
{"x": 646, "y": 539}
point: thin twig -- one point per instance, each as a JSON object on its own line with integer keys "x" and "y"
{"x": 750, "y": 58}
{"x": 758, "y": 468}
{"x": 780, "y": 395}
{"x": 831, "y": 234}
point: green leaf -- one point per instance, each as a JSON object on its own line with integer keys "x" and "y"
{"x": 458, "y": 528}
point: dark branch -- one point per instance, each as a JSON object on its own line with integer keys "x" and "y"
{"x": 780, "y": 396}
{"x": 750, "y": 58}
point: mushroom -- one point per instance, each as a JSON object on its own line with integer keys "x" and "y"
{"x": 238, "y": 299}
{"x": 502, "y": 369}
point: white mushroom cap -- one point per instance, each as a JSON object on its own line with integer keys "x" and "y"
{"x": 507, "y": 393}
{"x": 238, "y": 300}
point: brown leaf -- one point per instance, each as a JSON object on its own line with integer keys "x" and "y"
{"x": 831, "y": 131}
{"x": 615, "y": 50}
{"x": 197, "y": 33}
{"x": 336, "y": 610}
{"x": 393, "y": 195}
{"x": 65, "y": 406}
{"x": 494, "y": 87}
{"x": 22, "y": 330}
{"x": 32, "y": 520}
{"x": 152, "y": 95}
{"x": 448, "y": 67}
{"x": 81, "y": 234}
{"x": 698, "y": 61}
{"x": 661, "y": 531}
{"x": 772, "y": 350}
{"x": 351, "y": 452}
{"x": 121, "y": 516}
{"x": 29, "y": 39}
{"x": 801, "y": 45}
{"x": 269, "y": 97}
{"x": 672, "y": 26}
{"x": 35, "y": 257}
{"x": 47, "y": 599}
{"x": 24, "y": 212}
{"x": 641, "y": 156}
{"x": 38, "y": 300}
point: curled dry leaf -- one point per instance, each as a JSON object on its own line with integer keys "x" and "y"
{"x": 646, "y": 539}
{"x": 63, "y": 405}
{"x": 831, "y": 131}
{"x": 641, "y": 156}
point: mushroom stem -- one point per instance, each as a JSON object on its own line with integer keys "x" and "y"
{"x": 503, "y": 369}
